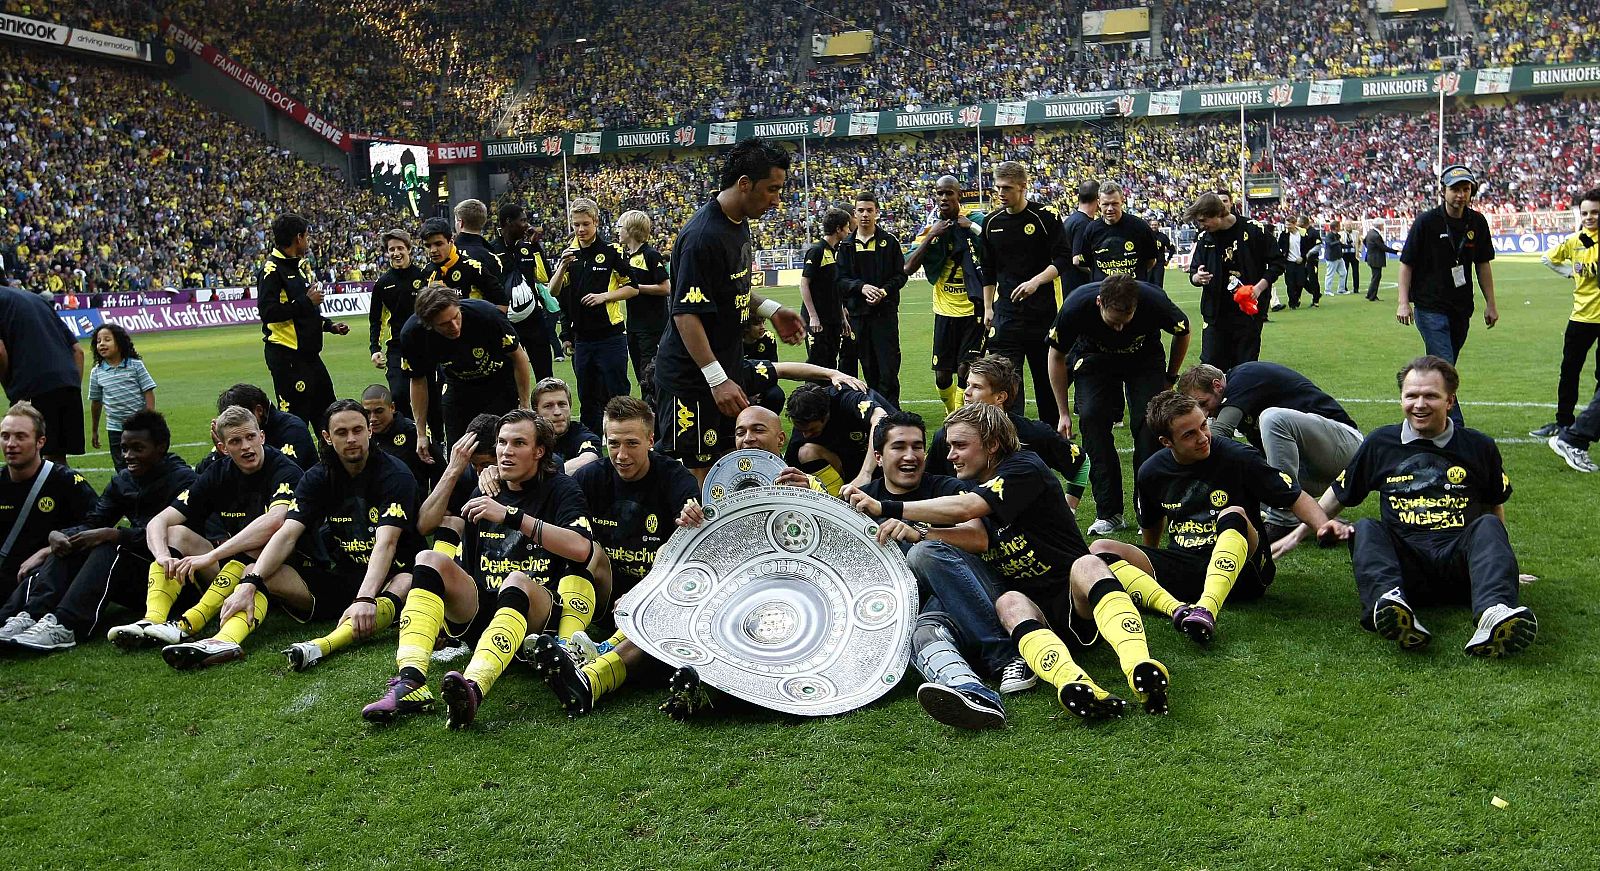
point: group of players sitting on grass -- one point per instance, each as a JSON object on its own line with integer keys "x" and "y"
{"x": 535, "y": 532}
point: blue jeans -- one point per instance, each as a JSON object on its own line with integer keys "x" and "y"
{"x": 960, "y": 585}
{"x": 601, "y": 367}
{"x": 1443, "y": 335}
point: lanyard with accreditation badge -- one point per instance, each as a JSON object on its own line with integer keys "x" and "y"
{"x": 1458, "y": 271}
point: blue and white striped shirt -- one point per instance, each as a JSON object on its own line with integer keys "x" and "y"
{"x": 120, "y": 389}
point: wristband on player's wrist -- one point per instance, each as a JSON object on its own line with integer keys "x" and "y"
{"x": 891, "y": 509}
{"x": 713, "y": 373}
{"x": 768, "y": 308}
{"x": 366, "y": 600}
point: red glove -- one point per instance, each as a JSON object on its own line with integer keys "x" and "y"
{"x": 1245, "y": 299}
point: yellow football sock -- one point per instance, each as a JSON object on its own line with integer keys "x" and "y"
{"x": 616, "y": 638}
{"x": 605, "y": 674}
{"x": 952, "y": 397}
{"x": 159, "y": 594}
{"x": 1048, "y": 656}
{"x": 344, "y": 634}
{"x": 419, "y": 628}
{"x": 448, "y": 548}
{"x": 499, "y": 643}
{"x": 210, "y": 604}
{"x": 576, "y": 593}
{"x": 1143, "y": 588}
{"x": 238, "y": 627}
{"x": 825, "y": 474}
{"x": 1227, "y": 560}
{"x": 1119, "y": 623}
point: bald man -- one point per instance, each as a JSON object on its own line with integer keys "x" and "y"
{"x": 947, "y": 251}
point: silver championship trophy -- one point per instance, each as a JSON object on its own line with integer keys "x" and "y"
{"x": 783, "y": 598}
{"x": 739, "y": 470}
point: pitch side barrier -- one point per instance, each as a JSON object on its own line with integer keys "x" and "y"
{"x": 191, "y": 315}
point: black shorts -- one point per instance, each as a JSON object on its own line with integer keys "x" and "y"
{"x": 465, "y": 400}
{"x": 690, "y": 427}
{"x": 63, "y": 419}
{"x": 1182, "y": 573}
{"x": 1078, "y": 631}
{"x": 332, "y": 591}
{"x": 957, "y": 341}
{"x": 489, "y": 602}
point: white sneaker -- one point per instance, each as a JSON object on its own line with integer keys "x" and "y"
{"x": 1501, "y": 630}
{"x": 47, "y": 634}
{"x": 15, "y": 626}
{"x": 199, "y": 654}
{"x": 303, "y": 654}
{"x": 582, "y": 648}
{"x": 1107, "y": 525}
{"x": 1017, "y": 677}
{"x": 129, "y": 636}
{"x": 1393, "y": 618}
{"x": 1576, "y": 457}
{"x": 168, "y": 633}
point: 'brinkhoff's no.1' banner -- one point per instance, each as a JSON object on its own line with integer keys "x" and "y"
{"x": 274, "y": 95}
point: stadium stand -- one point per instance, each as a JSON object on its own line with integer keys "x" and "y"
{"x": 116, "y": 176}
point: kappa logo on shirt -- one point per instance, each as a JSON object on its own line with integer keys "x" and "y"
{"x": 394, "y": 510}
{"x": 996, "y": 486}
{"x": 694, "y": 294}
{"x": 284, "y": 489}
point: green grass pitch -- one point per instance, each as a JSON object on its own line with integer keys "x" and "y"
{"x": 1297, "y": 741}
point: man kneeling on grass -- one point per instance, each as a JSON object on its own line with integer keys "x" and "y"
{"x": 527, "y": 560}
{"x": 1442, "y": 533}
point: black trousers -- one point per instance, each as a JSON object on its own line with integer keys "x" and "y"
{"x": 1101, "y": 393}
{"x": 1352, "y": 265}
{"x": 78, "y": 589}
{"x": 462, "y": 402}
{"x": 301, "y": 382}
{"x": 1377, "y": 276}
{"x": 1026, "y": 344}
{"x": 1574, "y": 353}
{"x": 535, "y": 338}
{"x": 1226, "y": 345}
{"x": 642, "y": 345}
{"x": 823, "y": 346}
{"x": 877, "y": 341}
{"x": 1300, "y": 278}
{"x": 1477, "y": 566}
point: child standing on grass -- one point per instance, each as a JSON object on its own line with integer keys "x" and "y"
{"x": 119, "y": 383}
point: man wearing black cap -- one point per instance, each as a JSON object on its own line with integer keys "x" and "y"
{"x": 1445, "y": 247}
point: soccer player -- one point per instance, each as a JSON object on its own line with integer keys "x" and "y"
{"x": 822, "y": 304}
{"x": 472, "y": 216}
{"x": 871, "y": 274}
{"x": 457, "y": 269}
{"x": 395, "y": 434}
{"x": 36, "y": 495}
{"x": 363, "y": 502}
{"x": 576, "y": 445}
{"x": 947, "y": 252}
{"x": 247, "y": 493}
{"x": 696, "y": 399}
{"x": 1441, "y": 533}
{"x": 958, "y": 619}
{"x": 485, "y": 367}
{"x": 282, "y": 430}
{"x": 647, "y": 311}
{"x": 1074, "y": 226}
{"x": 1206, "y": 495}
{"x": 593, "y": 279}
{"x": 1106, "y": 340}
{"x": 93, "y": 561}
{"x": 1446, "y": 246}
{"x": 1577, "y": 258}
{"x": 41, "y": 363}
{"x": 394, "y": 300}
{"x": 832, "y": 428}
{"x": 1040, "y": 560}
{"x": 993, "y": 380}
{"x": 290, "y": 303}
{"x": 1117, "y": 243}
{"x": 1234, "y": 263}
{"x": 524, "y": 552}
{"x": 1301, "y": 430}
{"x": 1024, "y": 250}
{"x": 519, "y": 250}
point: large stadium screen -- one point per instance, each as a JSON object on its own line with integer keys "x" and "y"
{"x": 400, "y": 173}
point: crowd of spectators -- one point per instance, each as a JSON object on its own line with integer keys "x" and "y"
{"x": 114, "y": 181}
{"x": 134, "y": 19}
{"x": 1541, "y": 32}
{"x": 399, "y": 68}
